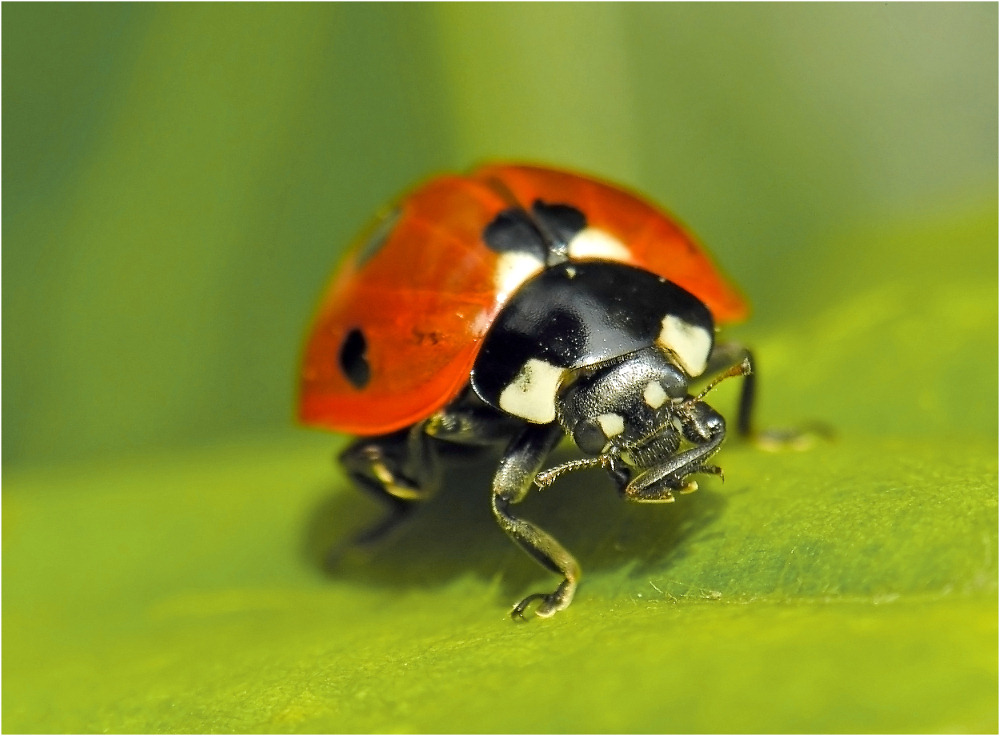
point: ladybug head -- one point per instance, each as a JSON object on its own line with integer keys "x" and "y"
{"x": 634, "y": 415}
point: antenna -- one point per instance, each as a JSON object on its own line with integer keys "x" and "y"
{"x": 740, "y": 369}
{"x": 550, "y": 476}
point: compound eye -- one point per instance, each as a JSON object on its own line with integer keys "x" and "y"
{"x": 589, "y": 437}
{"x": 674, "y": 383}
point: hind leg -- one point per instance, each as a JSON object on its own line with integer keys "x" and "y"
{"x": 404, "y": 468}
{"x": 399, "y": 470}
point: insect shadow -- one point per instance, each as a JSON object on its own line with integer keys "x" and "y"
{"x": 454, "y": 533}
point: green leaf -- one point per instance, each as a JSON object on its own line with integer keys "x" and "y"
{"x": 851, "y": 588}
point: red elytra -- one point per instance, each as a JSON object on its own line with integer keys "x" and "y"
{"x": 424, "y": 293}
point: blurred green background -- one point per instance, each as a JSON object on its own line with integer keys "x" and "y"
{"x": 179, "y": 181}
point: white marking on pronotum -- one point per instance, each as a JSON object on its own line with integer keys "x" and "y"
{"x": 513, "y": 269}
{"x": 532, "y": 393}
{"x": 611, "y": 424}
{"x": 689, "y": 343}
{"x": 594, "y": 243}
{"x": 654, "y": 395}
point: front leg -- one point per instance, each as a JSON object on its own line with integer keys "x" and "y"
{"x": 658, "y": 484}
{"x": 515, "y": 476}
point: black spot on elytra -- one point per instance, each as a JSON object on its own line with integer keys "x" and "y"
{"x": 512, "y": 230}
{"x": 544, "y": 232}
{"x": 562, "y": 221}
{"x": 353, "y": 362}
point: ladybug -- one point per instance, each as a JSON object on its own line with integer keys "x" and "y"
{"x": 512, "y": 307}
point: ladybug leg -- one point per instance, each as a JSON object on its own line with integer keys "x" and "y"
{"x": 773, "y": 439}
{"x": 471, "y": 423}
{"x": 659, "y": 484}
{"x": 514, "y": 478}
{"x": 620, "y": 473}
{"x": 399, "y": 469}
{"x": 404, "y": 468}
